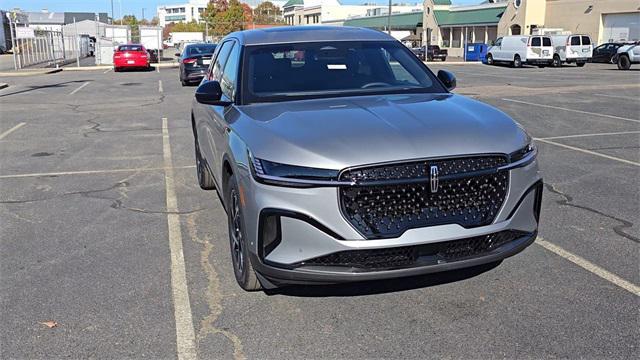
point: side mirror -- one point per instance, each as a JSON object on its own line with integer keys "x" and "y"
{"x": 492, "y": 43}
{"x": 448, "y": 79}
{"x": 210, "y": 93}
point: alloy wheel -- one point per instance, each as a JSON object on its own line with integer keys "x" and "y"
{"x": 237, "y": 239}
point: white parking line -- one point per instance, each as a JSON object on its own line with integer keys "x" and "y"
{"x": 160, "y": 85}
{"x": 618, "y": 97}
{"x": 588, "y": 152}
{"x": 80, "y": 87}
{"x": 572, "y": 110}
{"x": 588, "y": 135}
{"x": 589, "y": 266}
{"x": 89, "y": 172}
{"x": 106, "y": 71}
{"x": 6, "y": 133}
{"x": 185, "y": 334}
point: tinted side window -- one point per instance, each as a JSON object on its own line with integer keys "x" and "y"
{"x": 546, "y": 41}
{"x": 230, "y": 73}
{"x": 535, "y": 41}
{"x": 220, "y": 60}
{"x": 586, "y": 40}
{"x": 575, "y": 40}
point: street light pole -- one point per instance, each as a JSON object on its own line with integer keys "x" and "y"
{"x": 389, "y": 19}
{"x": 142, "y": 14}
{"x": 111, "y": 12}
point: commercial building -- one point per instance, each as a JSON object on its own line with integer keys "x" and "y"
{"x": 333, "y": 12}
{"x": 177, "y": 13}
{"x": 451, "y": 27}
{"x": 603, "y": 20}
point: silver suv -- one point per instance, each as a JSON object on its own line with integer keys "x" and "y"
{"x": 339, "y": 156}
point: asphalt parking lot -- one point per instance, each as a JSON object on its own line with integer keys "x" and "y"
{"x": 104, "y": 230}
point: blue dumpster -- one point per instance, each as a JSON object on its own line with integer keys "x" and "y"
{"x": 475, "y": 52}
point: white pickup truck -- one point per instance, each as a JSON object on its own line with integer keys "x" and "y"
{"x": 627, "y": 55}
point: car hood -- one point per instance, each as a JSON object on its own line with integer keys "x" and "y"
{"x": 342, "y": 132}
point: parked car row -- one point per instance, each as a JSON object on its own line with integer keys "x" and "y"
{"x": 556, "y": 50}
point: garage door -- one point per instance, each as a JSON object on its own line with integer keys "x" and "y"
{"x": 621, "y": 27}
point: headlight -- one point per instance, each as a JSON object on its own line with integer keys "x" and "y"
{"x": 528, "y": 152}
{"x": 273, "y": 173}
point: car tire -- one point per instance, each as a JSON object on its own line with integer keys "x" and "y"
{"x": 444, "y": 59}
{"x": 205, "y": 179}
{"x": 242, "y": 269}
{"x": 580, "y": 64}
{"x": 116, "y": 69}
{"x": 624, "y": 63}
{"x": 429, "y": 58}
{"x": 489, "y": 59}
{"x": 542, "y": 66}
{"x": 556, "y": 61}
{"x": 517, "y": 62}
{"x": 184, "y": 82}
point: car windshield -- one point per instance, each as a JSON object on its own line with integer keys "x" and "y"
{"x": 130, "y": 48}
{"x": 205, "y": 49}
{"x": 329, "y": 69}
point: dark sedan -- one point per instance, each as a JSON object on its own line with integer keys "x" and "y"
{"x": 194, "y": 62}
{"x": 604, "y": 53}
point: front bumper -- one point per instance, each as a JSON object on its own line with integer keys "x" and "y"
{"x": 311, "y": 226}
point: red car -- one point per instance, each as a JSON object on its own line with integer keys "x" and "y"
{"x": 130, "y": 56}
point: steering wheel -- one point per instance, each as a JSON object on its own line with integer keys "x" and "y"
{"x": 374, "y": 84}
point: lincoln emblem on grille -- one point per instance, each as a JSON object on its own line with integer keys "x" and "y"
{"x": 434, "y": 179}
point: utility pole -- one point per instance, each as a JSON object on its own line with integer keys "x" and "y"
{"x": 111, "y": 12}
{"x": 142, "y": 14}
{"x": 389, "y": 19}
{"x": 75, "y": 25}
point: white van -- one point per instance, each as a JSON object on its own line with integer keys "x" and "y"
{"x": 520, "y": 49}
{"x": 576, "y": 49}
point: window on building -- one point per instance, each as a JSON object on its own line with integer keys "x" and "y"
{"x": 182, "y": 10}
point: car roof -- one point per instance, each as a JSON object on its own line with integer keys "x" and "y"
{"x": 288, "y": 34}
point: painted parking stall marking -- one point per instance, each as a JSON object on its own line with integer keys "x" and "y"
{"x": 587, "y": 151}
{"x": 589, "y": 266}
{"x": 185, "y": 334}
{"x": 572, "y": 110}
{"x": 79, "y": 88}
{"x": 6, "y": 133}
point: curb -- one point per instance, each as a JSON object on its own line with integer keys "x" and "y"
{"x": 105, "y": 67}
{"x": 31, "y": 72}
{"x": 3, "y": 85}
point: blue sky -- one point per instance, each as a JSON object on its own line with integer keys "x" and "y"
{"x": 133, "y": 6}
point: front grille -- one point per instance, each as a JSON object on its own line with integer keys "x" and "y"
{"x": 418, "y": 255}
{"x": 387, "y": 200}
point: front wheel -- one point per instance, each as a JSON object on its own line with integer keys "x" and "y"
{"x": 489, "y": 59}
{"x": 556, "y": 61}
{"x": 242, "y": 268}
{"x": 517, "y": 62}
